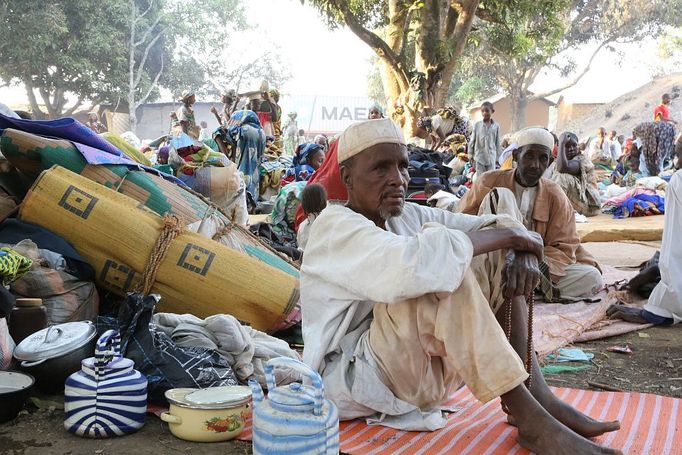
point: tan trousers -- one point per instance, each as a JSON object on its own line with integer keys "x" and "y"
{"x": 427, "y": 348}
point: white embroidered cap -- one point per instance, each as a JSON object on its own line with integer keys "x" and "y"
{"x": 363, "y": 135}
{"x": 534, "y": 135}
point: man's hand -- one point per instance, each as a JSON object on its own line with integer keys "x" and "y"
{"x": 528, "y": 241}
{"x": 522, "y": 274}
{"x": 214, "y": 110}
{"x": 626, "y": 313}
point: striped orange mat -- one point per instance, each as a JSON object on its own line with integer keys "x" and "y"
{"x": 651, "y": 424}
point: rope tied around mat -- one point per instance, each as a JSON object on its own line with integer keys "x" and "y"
{"x": 227, "y": 229}
{"x": 172, "y": 227}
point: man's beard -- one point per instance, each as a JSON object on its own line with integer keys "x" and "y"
{"x": 387, "y": 214}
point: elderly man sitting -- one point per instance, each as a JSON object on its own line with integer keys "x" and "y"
{"x": 570, "y": 272}
{"x": 399, "y": 304}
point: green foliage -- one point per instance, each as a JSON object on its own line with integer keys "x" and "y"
{"x": 372, "y": 13}
{"x": 529, "y": 32}
{"x": 82, "y": 48}
{"x": 472, "y": 89}
{"x": 375, "y": 88}
{"x": 63, "y": 46}
{"x": 670, "y": 43}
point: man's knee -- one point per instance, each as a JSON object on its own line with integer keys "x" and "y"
{"x": 581, "y": 280}
{"x": 594, "y": 280}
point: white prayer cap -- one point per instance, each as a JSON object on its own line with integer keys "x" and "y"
{"x": 363, "y": 135}
{"x": 534, "y": 135}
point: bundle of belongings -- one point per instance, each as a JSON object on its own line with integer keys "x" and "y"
{"x": 57, "y": 274}
{"x": 111, "y": 209}
{"x": 646, "y": 199}
{"x": 181, "y": 350}
{"x": 96, "y": 224}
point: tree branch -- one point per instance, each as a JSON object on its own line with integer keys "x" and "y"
{"x": 35, "y": 108}
{"x": 398, "y": 26}
{"x": 151, "y": 87}
{"x": 380, "y": 47}
{"x": 577, "y": 78}
{"x": 466, "y": 12}
{"x": 140, "y": 66}
{"x": 450, "y": 23}
{"x": 148, "y": 32}
{"x": 73, "y": 108}
{"x": 140, "y": 16}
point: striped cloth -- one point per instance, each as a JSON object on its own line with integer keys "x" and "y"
{"x": 650, "y": 425}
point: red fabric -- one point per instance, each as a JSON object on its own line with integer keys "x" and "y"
{"x": 264, "y": 117}
{"x": 329, "y": 176}
{"x": 663, "y": 111}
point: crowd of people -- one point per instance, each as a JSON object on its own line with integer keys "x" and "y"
{"x": 385, "y": 277}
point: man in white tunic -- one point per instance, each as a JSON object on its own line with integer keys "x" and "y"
{"x": 399, "y": 304}
{"x": 665, "y": 302}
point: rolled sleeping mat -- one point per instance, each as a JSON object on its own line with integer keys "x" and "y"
{"x": 198, "y": 275}
{"x": 32, "y": 154}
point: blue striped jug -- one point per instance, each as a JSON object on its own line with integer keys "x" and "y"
{"x": 108, "y": 397}
{"x": 295, "y": 419}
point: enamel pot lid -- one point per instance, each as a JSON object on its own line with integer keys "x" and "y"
{"x": 55, "y": 341}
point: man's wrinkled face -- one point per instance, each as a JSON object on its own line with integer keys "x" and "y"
{"x": 531, "y": 162}
{"x": 377, "y": 181}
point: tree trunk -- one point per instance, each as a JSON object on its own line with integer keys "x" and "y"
{"x": 519, "y": 103}
{"x": 132, "y": 112}
{"x": 35, "y": 108}
{"x": 132, "y": 105}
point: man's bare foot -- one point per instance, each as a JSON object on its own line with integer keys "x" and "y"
{"x": 582, "y": 424}
{"x": 541, "y": 433}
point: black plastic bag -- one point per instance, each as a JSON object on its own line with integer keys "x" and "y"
{"x": 166, "y": 365}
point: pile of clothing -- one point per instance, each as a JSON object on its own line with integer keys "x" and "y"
{"x": 636, "y": 202}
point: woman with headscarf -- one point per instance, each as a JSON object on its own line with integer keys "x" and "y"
{"x": 308, "y": 159}
{"x": 574, "y": 173}
{"x": 445, "y": 123}
{"x": 94, "y": 124}
{"x": 248, "y": 139}
{"x": 185, "y": 115}
{"x": 229, "y": 100}
{"x": 276, "y": 117}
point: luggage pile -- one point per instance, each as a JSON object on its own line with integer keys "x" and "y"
{"x": 114, "y": 209}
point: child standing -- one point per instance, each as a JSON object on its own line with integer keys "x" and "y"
{"x": 485, "y": 141}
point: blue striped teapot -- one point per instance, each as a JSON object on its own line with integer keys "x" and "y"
{"x": 108, "y": 397}
{"x": 294, "y": 419}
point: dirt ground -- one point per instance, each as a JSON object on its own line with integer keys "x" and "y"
{"x": 655, "y": 366}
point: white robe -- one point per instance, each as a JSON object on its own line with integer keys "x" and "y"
{"x": 666, "y": 298}
{"x": 348, "y": 265}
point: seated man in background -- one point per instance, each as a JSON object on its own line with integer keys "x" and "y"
{"x": 570, "y": 272}
{"x": 399, "y": 304}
